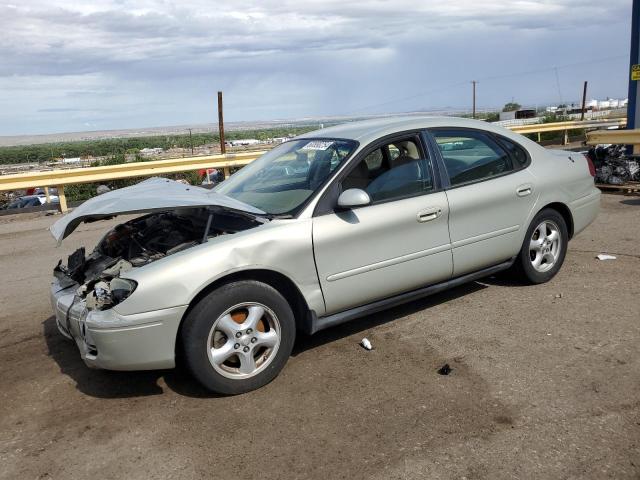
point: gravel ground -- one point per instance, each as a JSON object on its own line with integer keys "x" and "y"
{"x": 545, "y": 383}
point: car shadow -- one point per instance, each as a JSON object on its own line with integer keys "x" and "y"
{"x": 114, "y": 384}
{"x": 348, "y": 216}
{"x": 111, "y": 384}
{"x": 503, "y": 279}
{"x": 309, "y": 342}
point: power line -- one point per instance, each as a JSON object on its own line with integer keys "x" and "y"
{"x": 492, "y": 77}
{"x": 554, "y": 67}
{"x": 411, "y": 97}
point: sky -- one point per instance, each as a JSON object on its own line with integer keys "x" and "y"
{"x": 120, "y": 64}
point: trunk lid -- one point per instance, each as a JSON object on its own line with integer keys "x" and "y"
{"x": 154, "y": 194}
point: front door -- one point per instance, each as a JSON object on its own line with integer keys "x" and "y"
{"x": 398, "y": 243}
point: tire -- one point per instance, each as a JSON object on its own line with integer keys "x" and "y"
{"x": 232, "y": 325}
{"x": 548, "y": 261}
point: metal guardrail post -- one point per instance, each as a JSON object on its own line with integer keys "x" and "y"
{"x": 63, "y": 199}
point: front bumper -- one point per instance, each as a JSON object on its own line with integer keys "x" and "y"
{"x": 106, "y": 339}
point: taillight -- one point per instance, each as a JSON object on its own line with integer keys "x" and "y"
{"x": 592, "y": 167}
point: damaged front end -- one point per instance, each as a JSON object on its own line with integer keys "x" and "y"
{"x": 87, "y": 287}
{"x": 95, "y": 278}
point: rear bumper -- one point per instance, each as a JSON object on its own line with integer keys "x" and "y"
{"x": 106, "y": 339}
{"x": 585, "y": 210}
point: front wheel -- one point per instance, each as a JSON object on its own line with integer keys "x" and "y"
{"x": 238, "y": 337}
{"x": 544, "y": 247}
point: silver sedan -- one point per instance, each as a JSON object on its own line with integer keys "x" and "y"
{"x": 330, "y": 226}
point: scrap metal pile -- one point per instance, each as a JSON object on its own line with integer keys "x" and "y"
{"x": 613, "y": 165}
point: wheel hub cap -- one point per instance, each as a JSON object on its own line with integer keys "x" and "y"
{"x": 544, "y": 246}
{"x": 243, "y": 340}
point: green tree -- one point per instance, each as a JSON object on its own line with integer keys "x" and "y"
{"x": 492, "y": 117}
{"x": 511, "y": 107}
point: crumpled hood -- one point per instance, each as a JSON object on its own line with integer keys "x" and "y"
{"x": 150, "y": 195}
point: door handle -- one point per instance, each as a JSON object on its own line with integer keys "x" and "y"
{"x": 429, "y": 214}
{"x": 524, "y": 190}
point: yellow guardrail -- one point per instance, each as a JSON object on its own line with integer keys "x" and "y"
{"x": 567, "y": 126}
{"x": 572, "y": 125}
{"x": 619, "y": 137}
{"x": 60, "y": 178}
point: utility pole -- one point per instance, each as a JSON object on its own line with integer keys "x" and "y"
{"x": 584, "y": 99}
{"x": 223, "y": 148}
{"x": 190, "y": 140}
{"x": 474, "y": 98}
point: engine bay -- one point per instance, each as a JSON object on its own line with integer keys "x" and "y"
{"x": 139, "y": 242}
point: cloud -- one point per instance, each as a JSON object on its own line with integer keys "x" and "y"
{"x": 277, "y": 58}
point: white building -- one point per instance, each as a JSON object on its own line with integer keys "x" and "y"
{"x": 244, "y": 142}
{"x": 149, "y": 152}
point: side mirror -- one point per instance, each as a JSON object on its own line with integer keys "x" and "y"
{"x": 354, "y": 197}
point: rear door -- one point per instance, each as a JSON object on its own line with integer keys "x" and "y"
{"x": 398, "y": 243}
{"x": 490, "y": 194}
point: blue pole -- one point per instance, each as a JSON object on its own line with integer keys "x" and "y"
{"x": 633, "y": 108}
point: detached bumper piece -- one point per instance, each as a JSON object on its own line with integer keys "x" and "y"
{"x": 111, "y": 341}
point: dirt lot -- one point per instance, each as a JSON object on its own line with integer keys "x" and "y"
{"x": 545, "y": 383}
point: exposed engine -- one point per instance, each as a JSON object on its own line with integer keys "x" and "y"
{"x": 138, "y": 242}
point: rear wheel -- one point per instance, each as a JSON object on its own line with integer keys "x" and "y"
{"x": 238, "y": 337}
{"x": 544, "y": 247}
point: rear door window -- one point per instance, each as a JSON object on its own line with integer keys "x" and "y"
{"x": 471, "y": 155}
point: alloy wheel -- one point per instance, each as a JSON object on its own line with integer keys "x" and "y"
{"x": 243, "y": 340}
{"x": 545, "y": 246}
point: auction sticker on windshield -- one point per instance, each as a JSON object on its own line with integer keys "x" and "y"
{"x": 317, "y": 145}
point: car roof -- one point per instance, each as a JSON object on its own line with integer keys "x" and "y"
{"x": 365, "y": 131}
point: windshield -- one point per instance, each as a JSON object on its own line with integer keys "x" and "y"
{"x": 282, "y": 180}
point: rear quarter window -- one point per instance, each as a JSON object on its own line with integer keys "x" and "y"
{"x": 518, "y": 154}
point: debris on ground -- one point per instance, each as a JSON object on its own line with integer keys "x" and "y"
{"x": 444, "y": 370}
{"x": 558, "y": 295}
{"x": 366, "y": 344}
{"x": 605, "y": 256}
